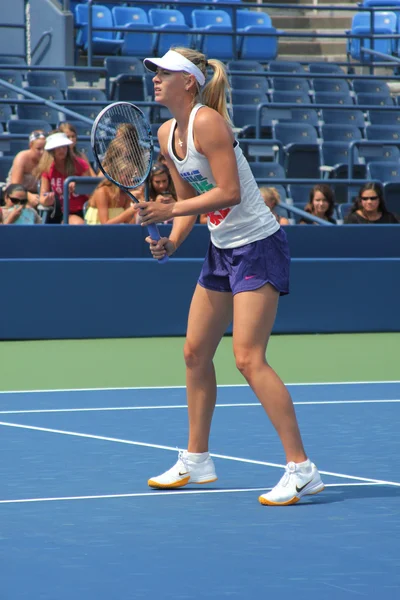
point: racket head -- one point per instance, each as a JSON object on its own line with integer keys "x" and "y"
{"x": 122, "y": 143}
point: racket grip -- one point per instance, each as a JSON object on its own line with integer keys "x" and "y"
{"x": 155, "y": 235}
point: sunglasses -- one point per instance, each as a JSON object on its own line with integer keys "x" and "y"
{"x": 18, "y": 200}
{"x": 369, "y": 198}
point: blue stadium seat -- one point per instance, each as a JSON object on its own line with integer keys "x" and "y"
{"x": 334, "y": 160}
{"x": 165, "y": 19}
{"x": 126, "y": 73}
{"x": 325, "y": 67}
{"x": 383, "y": 152}
{"x": 270, "y": 170}
{"x": 48, "y": 93}
{"x": 285, "y": 66}
{"x": 5, "y": 113}
{"x": 301, "y": 149}
{"x": 13, "y": 77}
{"x": 86, "y": 94}
{"x": 128, "y": 87}
{"x": 245, "y": 65}
{"x": 384, "y": 171}
{"x": 5, "y": 166}
{"x": 87, "y": 110}
{"x": 228, "y": 9}
{"x": 55, "y": 79}
{"x": 245, "y": 116}
{"x": 85, "y": 147}
{"x": 248, "y": 97}
{"x": 41, "y": 112}
{"x": 291, "y": 97}
{"x": 333, "y": 98}
{"x": 15, "y": 146}
{"x": 331, "y": 85}
{"x": 291, "y": 84}
{"x": 7, "y": 94}
{"x": 256, "y": 47}
{"x": 383, "y": 132}
{"x": 81, "y": 127}
{"x": 392, "y": 197}
{"x": 123, "y": 15}
{"x": 27, "y": 126}
{"x": 370, "y": 86}
{"x": 186, "y": 9}
{"x": 299, "y": 193}
{"x": 118, "y": 65}
{"x": 352, "y": 116}
{"x": 103, "y": 42}
{"x": 217, "y": 46}
{"x": 385, "y": 23}
{"x": 132, "y": 18}
{"x": 373, "y": 99}
{"x": 344, "y": 209}
{"x": 384, "y": 117}
{"x": 340, "y": 133}
{"x": 250, "y": 83}
{"x": 301, "y": 115}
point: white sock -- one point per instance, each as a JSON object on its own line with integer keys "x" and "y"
{"x": 197, "y": 457}
{"x": 304, "y": 466}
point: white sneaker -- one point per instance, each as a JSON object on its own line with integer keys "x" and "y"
{"x": 298, "y": 480}
{"x": 185, "y": 471}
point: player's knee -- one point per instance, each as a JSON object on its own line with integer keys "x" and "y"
{"x": 247, "y": 361}
{"x": 194, "y": 358}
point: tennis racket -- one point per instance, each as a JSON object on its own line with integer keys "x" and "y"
{"x": 123, "y": 146}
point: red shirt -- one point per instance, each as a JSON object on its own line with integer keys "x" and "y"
{"x": 57, "y": 184}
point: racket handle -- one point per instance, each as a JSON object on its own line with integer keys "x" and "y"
{"x": 155, "y": 235}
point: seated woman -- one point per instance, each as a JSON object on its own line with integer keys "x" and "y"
{"x": 271, "y": 199}
{"x": 321, "y": 204}
{"x": 72, "y": 135}
{"x": 24, "y": 164}
{"x": 370, "y": 207}
{"x": 109, "y": 205}
{"x": 161, "y": 188}
{"x": 16, "y": 210}
{"x": 56, "y": 165}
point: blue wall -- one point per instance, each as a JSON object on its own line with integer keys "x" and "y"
{"x": 63, "y": 287}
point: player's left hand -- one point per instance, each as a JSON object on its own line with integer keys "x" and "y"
{"x": 154, "y": 212}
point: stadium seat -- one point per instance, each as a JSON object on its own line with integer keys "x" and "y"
{"x": 331, "y": 85}
{"x": 217, "y": 46}
{"x": 385, "y": 23}
{"x": 53, "y": 79}
{"x": 103, "y": 42}
{"x": 26, "y": 126}
{"x": 128, "y": 87}
{"x": 352, "y": 116}
{"x": 86, "y": 94}
{"x": 15, "y": 78}
{"x": 128, "y": 75}
{"x": 344, "y": 209}
{"x": 230, "y": 10}
{"x": 384, "y": 117}
{"x": 132, "y": 18}
{"x": 301, "y": 149}
{"x": 255, "y": 83}
{"x": 334, "y": 160}
{"x": 369, "y": 86}
{"x": 301, "y": 115}
{"x": 267, "y": 170}
{"x": 256, "y": 47}
{"x": 291, "y": 97}
{"x": 325, "y": 67}
{"x": 248, "y": 97}
{"x": 373, "y": 99}
{"x": 85, "y": 148}
{"x": 384, "y": 171}
{"x": 8, "y": 94}
{"x": 392, "y": 197}
{"x": 87, "y": 110}
{"x": 118, "y": 65}
{"x": 291, "y": 84}
{"x": 382, "y": 152}
{"x": 340, "y": 133}
{"x": 81, "y": 127}
{"x": 15, "y": 146}
{"x": 164, "y": 20}
{"x": 48, "y": 93}
{"x": 333, "y": 98}
{"x": 283, "y": 66}
{"x": 41, "y": 112}
{"x": 5, "y": 113}
{"x": 5, "y": 166}
{"x": 299, "y": 193}
{"x": 383, "y": 132}
{"x": 184, "y": 6}
{"x": 245, "y": 65}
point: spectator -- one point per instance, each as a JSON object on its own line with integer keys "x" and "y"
{"x": 57, "y": 163}
{"x": 72, "y": 134}
{"x": 161, "y": 188}
{"x": 321, "y": 204}
{"x": 16, "y": 210}
{"x": 109, "y": 206}
{"x": 24, "y": 165}
{"x": 370, "y": 207}
{"x": 271, "y": 198}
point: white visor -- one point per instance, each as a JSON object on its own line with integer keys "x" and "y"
{"x": 173, "y": 61}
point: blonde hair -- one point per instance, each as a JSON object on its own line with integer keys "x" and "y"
{"x": 270, "y": 192}
{"x": 113, "y": 193}
{"x": 215, "y": 91}
{"x": 47, "y": 160}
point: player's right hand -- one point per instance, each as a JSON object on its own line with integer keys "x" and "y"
{"x": 161, "y": 248}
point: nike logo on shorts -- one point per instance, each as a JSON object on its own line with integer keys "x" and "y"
{"x": 249, "y": 277}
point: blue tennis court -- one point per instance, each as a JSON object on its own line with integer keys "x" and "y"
{"x": 78, "y": 520}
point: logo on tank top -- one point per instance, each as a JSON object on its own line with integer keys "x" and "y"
{"x": 201, "y": 185}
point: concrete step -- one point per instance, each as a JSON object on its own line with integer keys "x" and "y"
{"x": 312, "y": 47}
{"x": 311, "y": 22}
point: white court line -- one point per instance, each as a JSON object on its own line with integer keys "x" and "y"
{"x": 162, "y": 447}
{"x": 180, "y": 387}
{"x": 175, "y": 406}
{"x": 158, "y": 493}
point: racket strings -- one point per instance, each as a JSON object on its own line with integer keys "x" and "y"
{"x": 124, "y": 146}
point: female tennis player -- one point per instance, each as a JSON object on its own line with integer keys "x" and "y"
{"x": 245, "y": 270}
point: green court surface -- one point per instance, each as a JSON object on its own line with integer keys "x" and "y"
{"x": 65, "y": 364}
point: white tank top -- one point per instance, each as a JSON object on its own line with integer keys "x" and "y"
{"x": 247, "y": 222}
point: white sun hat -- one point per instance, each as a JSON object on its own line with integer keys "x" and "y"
{"x": 173, "y": 61}
{"x": 57, "y": 140}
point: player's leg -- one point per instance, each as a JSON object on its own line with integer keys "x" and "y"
{"x": 209, "y": 316}
{"x": 254, "y": 316}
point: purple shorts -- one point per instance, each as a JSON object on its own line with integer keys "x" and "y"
{"x": 248, "y": 267}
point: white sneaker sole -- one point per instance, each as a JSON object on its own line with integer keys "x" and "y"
{"x": 177, "y": 484}
{"x": 312, "y": 491}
